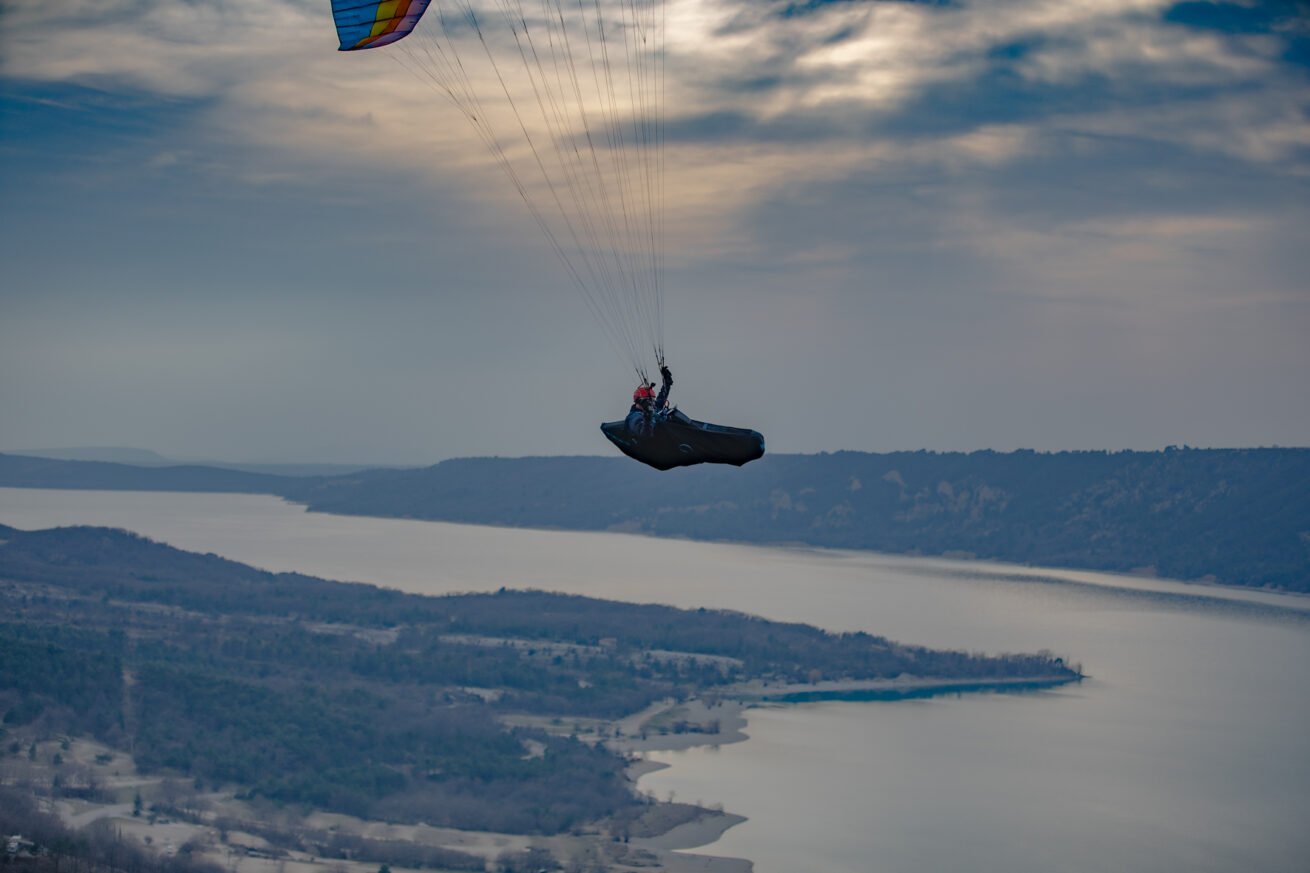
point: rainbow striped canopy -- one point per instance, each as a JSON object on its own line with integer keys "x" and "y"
{"x": 369, "y": 25}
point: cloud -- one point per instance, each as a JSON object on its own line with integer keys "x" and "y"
{"x": 894, "y": 200}
{"x": 794, "y": 92}
{"x": 764, "y": 99}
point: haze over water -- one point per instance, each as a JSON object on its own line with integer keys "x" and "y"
{"x": 1183, "y": 751}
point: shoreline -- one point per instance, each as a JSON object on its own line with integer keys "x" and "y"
{"x": 1129, "y": 579}
{"x": 224, "y": 830}
{"x": 670, "y": 726}
{"x": 765, "y": 691}
{"x": 723, "y": 720}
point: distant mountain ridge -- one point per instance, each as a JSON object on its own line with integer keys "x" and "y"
{"x": 111, "y": 454}
{"x": 1234, "y": 516}
{"x": 20, "y": 471}
{"x": 149, "y": 458}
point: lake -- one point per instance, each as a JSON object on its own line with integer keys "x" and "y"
{"x": 1184, "y": 750}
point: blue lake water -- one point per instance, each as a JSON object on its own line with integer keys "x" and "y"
{"x": 1185, "y": 750}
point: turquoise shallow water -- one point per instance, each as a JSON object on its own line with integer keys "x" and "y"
{"x": 1185, "y": 750}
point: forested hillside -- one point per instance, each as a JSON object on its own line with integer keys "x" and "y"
{"x": 378, "y": 703}
{"x": 1234, "y": 516}
{"x": 1239, "y": 517}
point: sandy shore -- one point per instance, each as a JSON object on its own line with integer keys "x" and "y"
{"x": 693, "y": 834}
{"x": 669, "y": 726}
{"x": 674, "y": 725}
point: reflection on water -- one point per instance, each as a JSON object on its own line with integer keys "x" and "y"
{"x": 1156, "y": 593}
{"x": 1184, "y": 751}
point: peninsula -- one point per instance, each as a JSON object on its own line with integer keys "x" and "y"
{"x": 253, "y": 718}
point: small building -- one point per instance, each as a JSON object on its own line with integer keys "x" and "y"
{"x": 16, "y": 845}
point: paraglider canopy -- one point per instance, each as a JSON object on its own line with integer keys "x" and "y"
{"x": 371, "y": 25}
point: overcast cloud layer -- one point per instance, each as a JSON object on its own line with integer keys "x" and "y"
{"x": 1052, "y": 224}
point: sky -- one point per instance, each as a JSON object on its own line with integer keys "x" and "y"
{"x": 1057, "y": 225}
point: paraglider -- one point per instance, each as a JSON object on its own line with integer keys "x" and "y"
{"x": 568, "y": 98}
{"x": 668, "y": 439}
{"x": 679, "y": 441}
{"x": 665, "y": 438}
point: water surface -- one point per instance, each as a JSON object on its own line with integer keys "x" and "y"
{"x": 1185, "y": 750}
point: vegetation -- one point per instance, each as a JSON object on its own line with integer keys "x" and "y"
{"x": 49, "y": 847}
{"x": 377, "y": 703}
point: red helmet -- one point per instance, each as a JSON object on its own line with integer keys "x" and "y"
{"x": 643, "y": 392}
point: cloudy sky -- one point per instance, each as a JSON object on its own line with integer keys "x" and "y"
{"x": 1058, "y": 224}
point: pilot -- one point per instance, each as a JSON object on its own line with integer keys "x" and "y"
{"x": 647, "y": 406}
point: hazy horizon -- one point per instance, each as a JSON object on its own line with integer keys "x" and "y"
{"x": 124, "y": 455}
